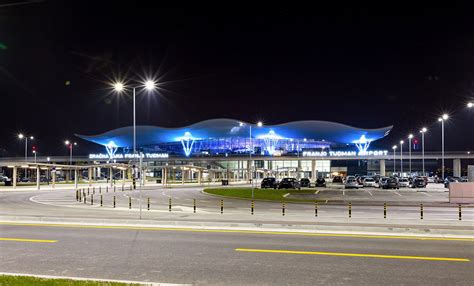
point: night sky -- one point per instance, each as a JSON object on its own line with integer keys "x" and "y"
{"x": 365, "y": 67}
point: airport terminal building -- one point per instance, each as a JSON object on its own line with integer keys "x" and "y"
{"x": 233, "y": 149}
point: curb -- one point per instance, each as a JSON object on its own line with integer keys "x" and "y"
{"x": 389, "y": 230}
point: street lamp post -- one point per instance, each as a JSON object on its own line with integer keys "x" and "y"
{"x": 252, "y": 167}
{"x": 401, "y": 158}
{"x": 423, "y": 131}
{"x": 149, "y": 85}
{"x": 70, "y": 145}
{"x": 21, "y": 136}
{"x": 394, "y": 147}
{"x": 409, "y": 152}
{"x": 442, "y": 119}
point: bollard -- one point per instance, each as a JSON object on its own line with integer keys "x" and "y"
{"x": 283, "y": 208}
{"x": 80, "y": 197}
{"x": 122, "y": 188}
{"x": 316, "y": 209}
{"x": 114, "y": 188}
{"x": 460, "y": 215}
{"x": 169, "y": 205}
{"x": 350, "y": 210}
{"x": 251, "y": 209}
{"x": 194, "y": 205}
{"x": 87, "y": 191}
{"x": 222, "y": 206}
{"x": 384, "y": 210}
{"x": 92, "y": 200}
{"x": 93, "y": 189}
{"x": 130, "y": 187}
{"x": 421, "y": 211}
{"x": 77, "y": 196}
{"x": 85, "y": 200}
{"x": 101, "y": 201}
{"x": 106, "y": 189}
{"x": 100, "y": 189}
{"x": 114, "y": 202}
{"x": 129, "y": 202}
{"x": 148, "y": 207}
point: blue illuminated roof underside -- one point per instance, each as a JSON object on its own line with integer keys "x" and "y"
{"x": 330, "y": 132}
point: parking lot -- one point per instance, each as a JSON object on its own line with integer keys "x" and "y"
{"x": 433, "y": 193}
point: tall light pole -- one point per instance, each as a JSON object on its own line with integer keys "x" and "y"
{"x": 252, "y": 169}
{"x": 21, "y": 136}
{"x": 410, "y": 136}
{"x": 443, "y": 118}
{"x": 70, "y": 145}
{"x": 394, "y": 147}
{"x": 423, "y": 131}
{"x": 119, "y": 87}
{"x": 401, "y": 158}
{"x": 34, "y": 152}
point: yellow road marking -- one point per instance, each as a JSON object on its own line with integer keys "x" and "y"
{"x": 353, "y": 254}
{"x": 26, "y": 240}
{"x": 239, "y": 231}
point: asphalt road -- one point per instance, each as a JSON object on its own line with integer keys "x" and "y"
{"x": 205, "y": 258}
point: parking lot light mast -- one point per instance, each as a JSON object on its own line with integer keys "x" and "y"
{"x": 21, "y": 136}
{"x": 252, "y": 168}
{"x": 442, "y": 119}
{"x": 70, "y": 145}
{"x": 401, "y": 158}
{"x": 394, "y": 147}
{"x": 423, "y": 131}
{"x": 410, "y": 136}
{"x": 150, "y": 86}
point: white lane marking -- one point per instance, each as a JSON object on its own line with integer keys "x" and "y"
{"x": 397, "y": 193}
{"x": 426, "y": 194}
{"x": 286, "y": 195}
{"x": 343, "y": 192}
{"x": 317, "y": 192}
{"x": 370, "y": 193}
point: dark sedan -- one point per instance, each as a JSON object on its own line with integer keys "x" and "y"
{"x": 269, "y": 183}
{"x": 289, "y": 183}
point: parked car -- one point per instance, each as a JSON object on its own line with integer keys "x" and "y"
{"x": 351, "y": 183}
{"x": 431, "y": 179}
{"x": 382, "y": 181}
{"x": 3, "y": 178}
{"x": 418, "y": 182}
{"x": 305, "y": 183}
{"x": 369, "y": 182}
{"x": 269, "y": 183}
{"x": 337, "y": 179}
{"x": 450, "y": 180}
{"x": 320, "y": 182}
{"x": 289, "y": 183}
{"x": 390, "y": 183}
{"x": 360, "y": 180}
{"x": 404, "y": 182}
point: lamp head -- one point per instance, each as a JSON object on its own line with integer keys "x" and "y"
{"x": 260, "y": 124}
{"x": 118, "y": 86}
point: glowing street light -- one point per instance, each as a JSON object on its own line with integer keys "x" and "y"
{"x": 443, "y": 118}
{"x": 401, "y": 157}
{"x": 70, "y": 145}
{"x": 394, "y": 147}
{"x": 149, "y": 85}
{"x": 410, "y": 136}
{"x": 470, "y": 105}
{"x": 21, "y": 136}
{"x": 423, "y": 131}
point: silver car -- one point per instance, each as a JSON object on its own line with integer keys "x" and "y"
{"x": 351, "y": 183}
{"x": 369, "y": 182}
{"x": 403, "y": 182}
